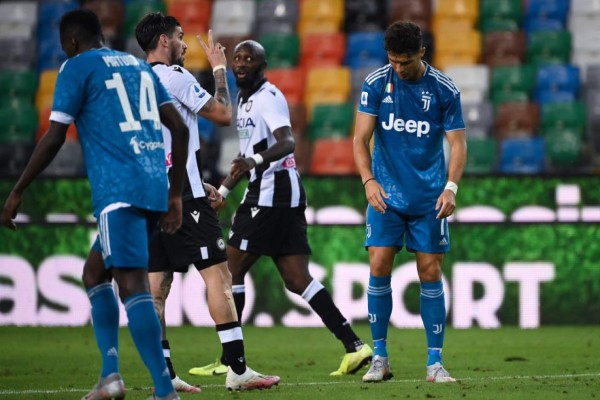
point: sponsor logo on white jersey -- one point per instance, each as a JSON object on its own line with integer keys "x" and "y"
{"x": 388, "y": 99}
{"x": 410, "y": 125}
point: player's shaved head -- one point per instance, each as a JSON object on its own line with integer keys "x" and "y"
{"x": 254, "y": 48}
{"x": 80, "y": 30}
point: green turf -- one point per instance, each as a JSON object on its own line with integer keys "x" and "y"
{"x": 508, "y": 363}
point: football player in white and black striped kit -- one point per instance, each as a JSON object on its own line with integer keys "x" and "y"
{"x": 199, "y": 241}
{"x": 270, "y": 220}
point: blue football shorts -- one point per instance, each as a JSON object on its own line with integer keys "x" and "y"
{"x": 419, "y": 233}
{"x": 124, "y": 236}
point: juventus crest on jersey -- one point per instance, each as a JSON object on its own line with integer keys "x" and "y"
{"x": 189, "y": 98}
{"x": 274, "y": 184}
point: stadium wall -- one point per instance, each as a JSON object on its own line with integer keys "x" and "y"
{"x": 524, "y": 252}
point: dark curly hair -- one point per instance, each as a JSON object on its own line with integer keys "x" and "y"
{"x": 403, "y": 37}
{"x": 149, "y": 29}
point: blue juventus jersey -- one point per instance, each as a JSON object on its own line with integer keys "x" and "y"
{"x": 113, "y": 98}
{"x": 412, "y": 118}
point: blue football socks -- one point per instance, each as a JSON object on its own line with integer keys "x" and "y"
{"x": 433, "y": 313}
{"x": 379, "y": 296}
{"x": 105, "y": 322}
{"x": 145, "y": 332}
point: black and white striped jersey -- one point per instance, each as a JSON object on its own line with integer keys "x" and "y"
{"x": 189, "y": 98}
{"x": 278, "y": 183}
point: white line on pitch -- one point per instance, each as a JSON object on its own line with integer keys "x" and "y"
{"x": 483, "y": 378}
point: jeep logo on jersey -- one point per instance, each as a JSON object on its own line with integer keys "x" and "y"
{"x": 138, "y": 146}
{"x": 411, "y": 126}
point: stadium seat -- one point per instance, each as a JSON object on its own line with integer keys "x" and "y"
{"x": 283, "y": 50}
{"x": 501, "y": 9}
{"x": 111, "y": 14}
{"x": 290, "y": 81}
{"x": 549, "y": 47}
{"x": 135, "y": 10}
{"x": 418, "y": 11}
{"x": 318, "y": 16}
{"x": 18, "y": 19}
{"x": 365, "y": 49}
{"x": 548, "y": 9}
{"x": 233, "y": 17}
{"x": 554, "y": 96}
{"x": 593, "y": 76}
{"x": 13, "y": 158}
{"x": 504, "y": 48}
{"x": 442, "y": 24}
{"x": 593, "y": 118}
{"x": 584, "y": 7}
{"x": 472, "y": 81}
{"x": 522, "y": 156}
{"x": 195, "y": 56}
{"x": 479, "y": 119}
{"x": 556, "y": 116}
{"x": 277, "y": 16}
{"x": 532, "y": 24}
{"x": 18, "y": 82}
{"x": 333, "y": 157}
{"x": 557, "y": 78}
{"x": 458, "y": 9}
{"x": 563, "y": 147}
{"x": 500, "y": 15}
{"x": 457, "y": 48}
{"x": 18, "y": 53}
{"x": 515, "y": 82}
{"x": 322, "y": 49}
{"x": 18, "y": 124}
{"x": 331, "y": 120}
{"x": 326, "y": 85}
{"x": 515, "y": 120}
{"x": 481, "y": 157}
{"x": 364, "y": 15}
{"x": 193, "y": 15}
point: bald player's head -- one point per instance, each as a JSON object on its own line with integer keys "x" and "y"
{"x": 249, "y": 64}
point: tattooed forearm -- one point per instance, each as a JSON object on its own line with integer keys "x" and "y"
{"x": 221, "y": 89}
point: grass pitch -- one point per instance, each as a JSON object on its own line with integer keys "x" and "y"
{"x": 508, "y": 363}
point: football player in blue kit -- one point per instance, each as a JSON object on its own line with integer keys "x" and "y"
{"x": 408, "y": 106}
{"x": 117, "y": 104}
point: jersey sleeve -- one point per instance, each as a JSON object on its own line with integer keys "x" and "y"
{"x": 453, "y": 118}
{"x": 274, "y": 110}
{"x": 370, "y": 96}
{"x": 187, "y": 90}
{"x": 68, "y": 93}
{"x": 162, "y": 96}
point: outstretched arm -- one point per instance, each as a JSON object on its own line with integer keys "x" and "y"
{"x": 43, "y": 154}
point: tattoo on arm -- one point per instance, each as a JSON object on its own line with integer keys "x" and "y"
{"x": 221, "y": 89}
